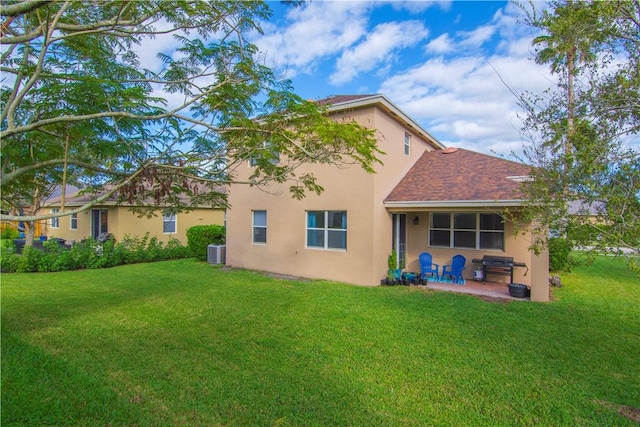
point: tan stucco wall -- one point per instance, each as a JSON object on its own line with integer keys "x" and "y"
{"x": 124, "y": 222}
{"x": 65, "y": 231}
{"x": 346, "y": 189}
{"x": 369, "y": 229}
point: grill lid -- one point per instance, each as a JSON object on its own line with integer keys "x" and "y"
{"x": 497, "y": 260}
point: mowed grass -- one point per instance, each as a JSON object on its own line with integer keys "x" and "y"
{"x": 187, "y": 343}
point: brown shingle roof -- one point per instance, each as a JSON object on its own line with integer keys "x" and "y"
{"x": 456, "y": 175}
{"x": 77, "y": 198}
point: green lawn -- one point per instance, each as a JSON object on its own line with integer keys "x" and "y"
{"x": 186, "y": 343}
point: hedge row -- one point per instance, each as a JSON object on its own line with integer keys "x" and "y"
{"x": 89, "y": 254}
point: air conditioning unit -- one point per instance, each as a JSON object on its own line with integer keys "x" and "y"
{"x": 216, "y": 254}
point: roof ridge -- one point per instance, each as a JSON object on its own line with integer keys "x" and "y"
{"x": 339, "y": 99}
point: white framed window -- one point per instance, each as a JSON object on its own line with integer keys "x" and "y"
{"x": 407, "y": 143}
{"x": 55, "y": 222}
{"x": 466, "y": 230}
{"x": 327, "y": 229}
{"x": 73, "y": 222}
{"x": 259, "y": 226}
{"x": 168, "y": 222}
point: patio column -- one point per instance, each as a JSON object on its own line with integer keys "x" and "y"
{"x": 540, "y": 276}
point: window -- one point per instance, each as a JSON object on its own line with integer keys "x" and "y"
{"x": 327, "y": 229}
{"x": 270, "y": 155}
{"x": 466, "y": 230}
{"x": 259, "y": 226}
{"x": 407, "y": 143}
{"x": 55, "y": 222}
{"x": 440, "y": 230}
{"x": 168, "y": 222}
{"x": 491, "y": 232}
{"x": 73, "y": 221}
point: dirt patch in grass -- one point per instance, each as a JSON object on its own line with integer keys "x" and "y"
{"x": 268, "y": 274}
{"x": 493, "y": 299}
{"x": 630, "y": 412}
{"x": 626, "y": 411}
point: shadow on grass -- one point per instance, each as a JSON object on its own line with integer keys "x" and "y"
{"x": 185, "y": 344}
{"x": 42, "y": 389}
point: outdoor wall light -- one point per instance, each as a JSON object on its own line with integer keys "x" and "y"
{"x": 416, "y": 220}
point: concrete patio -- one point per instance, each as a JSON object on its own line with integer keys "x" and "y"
{"x": 472, "y": 287}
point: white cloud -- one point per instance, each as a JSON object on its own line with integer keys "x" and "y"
{"x": 477, "y": 37}
{"x": 378, "y": 47}
{"x": 464, "y": 97}
{"x": 467, "y": 99}
{"x": 149, "y": 47}
{"x": 314, "y": 31}
{"x": 416, "y": 6}
{"x": 459, "y": 93}
{"x": 441, "y": 44}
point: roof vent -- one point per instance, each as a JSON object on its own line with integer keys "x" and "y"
{"x": 449, "y": 150}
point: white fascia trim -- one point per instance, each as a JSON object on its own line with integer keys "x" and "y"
{"x": 371, "y": 100}
{"x": 454, "y": 204}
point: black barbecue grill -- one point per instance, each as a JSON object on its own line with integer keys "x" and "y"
{"x": 499, "y": 265}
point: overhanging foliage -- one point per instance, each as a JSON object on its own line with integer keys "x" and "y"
{"x": 80, "y": 107}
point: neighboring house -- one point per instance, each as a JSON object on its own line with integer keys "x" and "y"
{"x": 423, "y": 198}
{"x": 119, "y": 220}
{"x": 588, "y": 210}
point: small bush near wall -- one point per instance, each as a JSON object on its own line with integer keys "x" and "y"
{"x": 91, "y": 254}
{"x": 200, "y": 236}
{"x": 559, "y": 250}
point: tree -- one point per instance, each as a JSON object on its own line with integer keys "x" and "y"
{"x": 79, "y": 107}
{"x": 583, "y": 133}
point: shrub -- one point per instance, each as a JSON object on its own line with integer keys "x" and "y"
{"x": 134, "y": 249}
{"x": 155, "y": 250}
{"x": 106, "y": 255}
{"x": 175, "y": 250}
{"x": 84, "y": 254}
{"x": 89, "y": 254}
{"x": 7, "y": 245}
{"x": 9, "y": 233}
{"x": 30, "y": 260}
{"x": 52, "y": 258}
{"x": 8, "y": 257}
{"x": 200, "y": 236}
{"x": 559, "y": 250}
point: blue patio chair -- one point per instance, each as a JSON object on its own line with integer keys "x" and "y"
{"x": 427, "y": 266}
{"x": 454, "y": 270}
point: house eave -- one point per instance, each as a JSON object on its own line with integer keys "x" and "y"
{"x": 392, "y": 109}
{"x": 113, "y": 204}
{"x": 452, "y": 204}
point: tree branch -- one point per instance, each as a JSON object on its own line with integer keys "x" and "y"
{"x": 7, "y": 178}
{"x": 20, "y": 8}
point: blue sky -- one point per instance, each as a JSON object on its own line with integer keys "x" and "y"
{"x": 450, "y": 65}
{"x": 446, "y": 64}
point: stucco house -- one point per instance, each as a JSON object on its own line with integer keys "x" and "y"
{"x": 424, "y": 197}
{"x": 120, "y": 220}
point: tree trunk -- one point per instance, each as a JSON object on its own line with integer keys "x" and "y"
{"x": 29, "y": 232}
{"x": 568, "y": 148}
